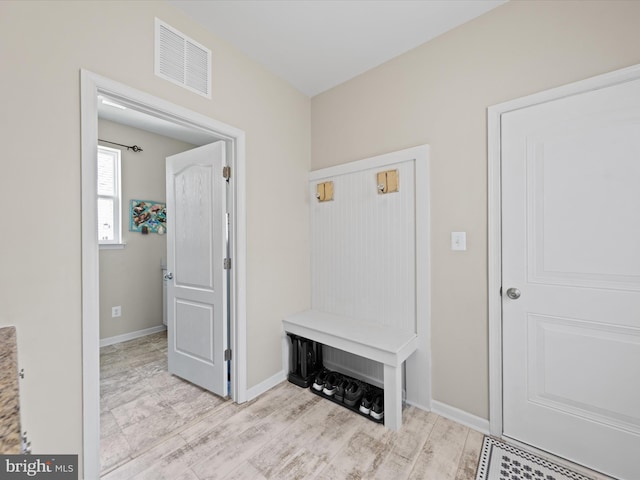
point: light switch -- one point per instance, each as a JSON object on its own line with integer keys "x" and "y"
{"x": 458, "y": 240}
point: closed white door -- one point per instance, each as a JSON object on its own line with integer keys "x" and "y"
{"x": 571, "y": 278}
{"x": 196, "y": 280}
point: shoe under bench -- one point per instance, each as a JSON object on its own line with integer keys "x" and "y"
{"x": 386, "y": 345}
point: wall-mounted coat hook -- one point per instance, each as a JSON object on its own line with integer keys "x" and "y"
{"x": 388, "y": 182}
{"x": 324, "y": 191}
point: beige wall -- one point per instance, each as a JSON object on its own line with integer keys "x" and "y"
{"x": 435, "y": 94}
{"x": 131, "y": 277}
{"x": 43, "y": 46}
{"x": 438, "y": 94}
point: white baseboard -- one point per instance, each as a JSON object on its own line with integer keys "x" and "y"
{"x": 426, "y": 408}
{"x": 131, "y": 335}
{"x": 265, "y": 385}
{"x": 460, "y": 416}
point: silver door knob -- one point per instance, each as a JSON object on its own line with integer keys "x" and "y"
{"x": 168, "y": 276}
{"x": 513, "y": 293}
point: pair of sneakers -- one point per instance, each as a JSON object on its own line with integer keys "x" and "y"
{"x": 340, "y": 387}
{"x": 372, "y": 404}
{"x": 327, "y": 382}
{"x": 369, "y": 399}
{"x": 351, "y": 392}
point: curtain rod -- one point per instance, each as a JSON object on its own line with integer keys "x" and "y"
{"x": 135, "y": 148}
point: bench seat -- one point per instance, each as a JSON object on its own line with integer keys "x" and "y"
{"x": 383, "y": 344}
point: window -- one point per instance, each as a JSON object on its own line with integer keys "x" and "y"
{"x": 109, "y": 203}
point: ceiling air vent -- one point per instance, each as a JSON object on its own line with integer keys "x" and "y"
{"x": 181, "y": 60}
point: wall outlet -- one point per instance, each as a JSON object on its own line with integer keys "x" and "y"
{"x": 116, "y": 311}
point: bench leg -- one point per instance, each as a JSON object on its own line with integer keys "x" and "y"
{"x": 392, "y": 397}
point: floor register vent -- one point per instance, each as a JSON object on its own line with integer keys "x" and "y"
{"x": 181, "y": 60}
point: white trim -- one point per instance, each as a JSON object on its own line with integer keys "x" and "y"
{"x": 112, "y": 246}
{"x": 90, "y": 281}
{"x": 90, "y": 86}
{"x": 494, "y": 234}
{"x": 238, "y": 287}
{"x": 125, "y": 337}
{"x": 418, "y": 374}
{"x": 460, "y": 416}
{"x": 416, "y": 404}
{"x": 420, "y": 152}
{"x": 266, "y": 385}
{"x": 494, "y": 133}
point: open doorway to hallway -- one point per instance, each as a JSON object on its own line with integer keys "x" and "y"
{"x": 164, "y": 113}
{"x": 140, "y": 402}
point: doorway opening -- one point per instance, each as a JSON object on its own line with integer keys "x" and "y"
{"x": 163, "y": 115}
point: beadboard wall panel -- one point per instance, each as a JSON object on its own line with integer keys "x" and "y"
{"x": 363, "y": 256}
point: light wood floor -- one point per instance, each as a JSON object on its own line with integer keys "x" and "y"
{"x": 156, "y": 426}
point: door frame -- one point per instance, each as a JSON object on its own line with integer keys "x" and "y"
{"x": 494, "y": 206}
{"x": 91, "y": 85}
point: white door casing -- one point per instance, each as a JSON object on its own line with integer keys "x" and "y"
{"x": 196, "y": 279}
{"x": 91, "y": 86}
{"x": 570, "y": 245}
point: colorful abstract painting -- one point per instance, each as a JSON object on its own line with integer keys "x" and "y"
{"x": 147, "y": 216}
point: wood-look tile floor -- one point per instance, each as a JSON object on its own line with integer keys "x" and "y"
{"x": 156, "y": 426}
{"x": 140, "y": 402}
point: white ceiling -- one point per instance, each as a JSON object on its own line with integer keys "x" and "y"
{"x": 313, "y": 44}
{"x": 317, "y": 44}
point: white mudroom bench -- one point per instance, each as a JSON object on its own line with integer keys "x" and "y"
{"x": 387, "y": 345}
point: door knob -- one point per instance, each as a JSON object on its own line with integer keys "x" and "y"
{"x": 513, "y": 293}
{"x": 168, "y": 276}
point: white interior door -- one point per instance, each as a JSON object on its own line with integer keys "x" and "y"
{"x": 196, "y": 249}
{"x": 571, "y": 247}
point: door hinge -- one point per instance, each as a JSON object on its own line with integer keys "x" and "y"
{"x": 227, "y": 263}
{"x": 227, "y": 355}
{"x": 226, "y": 172}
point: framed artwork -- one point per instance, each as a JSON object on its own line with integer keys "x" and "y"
{"x": 147, "y": 216}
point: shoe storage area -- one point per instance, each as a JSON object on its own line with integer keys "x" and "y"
{"x": 307, "y": 371}
{"x": 369, "y": 311}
